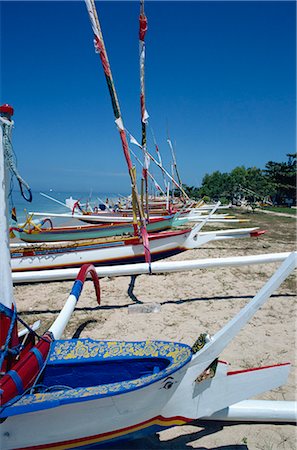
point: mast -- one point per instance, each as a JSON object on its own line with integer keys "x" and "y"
{"x": 158, "y": 187}
{"x": 100, "y": 48}
{"x": 6, "y": 287}
{"x": 8, "y": 315}
{"x": 144, "y": 114}
{"x": 150, "y": 156}
{"x": 159, "y": 157}
{"x": 174, "y": 160}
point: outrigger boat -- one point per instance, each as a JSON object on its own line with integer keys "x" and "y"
{"x": 85, "y": 392}
{"x": 49, "y": 233}
{"x": 142, "y": 247}
{"x": 115, "y": 250}
{"x": 82, "y": 392}
{"x": 117, "y": 217}
{"x": 45, "y": 231}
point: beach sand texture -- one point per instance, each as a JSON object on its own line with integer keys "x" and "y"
{"x": 191, "y": 303}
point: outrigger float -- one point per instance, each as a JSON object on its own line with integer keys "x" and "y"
{"x": 38, "y": 276}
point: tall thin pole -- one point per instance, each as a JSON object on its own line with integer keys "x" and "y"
{"x": 150, "y": 156}
{"x": 100, "y": 48}
{"x": 159, "y": 157}
{"x": 158, "y": 187}
{"x": 6, "y": 287}
{"x": 174, "y": 160}
{"x": 144, "y": 114}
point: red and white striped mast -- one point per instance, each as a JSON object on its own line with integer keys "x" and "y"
{"x": 144, "y": 114}
{"x": 100, "y": 48}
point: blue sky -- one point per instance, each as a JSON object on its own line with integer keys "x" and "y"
{"x": 221, "y": 75}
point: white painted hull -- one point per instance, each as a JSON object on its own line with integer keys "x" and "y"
{"x": 145, "y": 410}
{"x": 73, "y": 256}
{"x": 196, "y": 385}
{"x": 107, "y": 217}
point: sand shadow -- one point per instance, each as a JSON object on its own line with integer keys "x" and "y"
{"x": 180, "y": 442}
{"x": 36, "y": 312}
{"x": 81, "y": 327}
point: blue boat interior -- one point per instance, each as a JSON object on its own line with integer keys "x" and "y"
{"x": 81, "y": 363}
{"x": 96, "y": 373}
{"x": 85, "y": 369}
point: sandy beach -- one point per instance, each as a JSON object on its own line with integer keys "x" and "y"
{"x": 192, "y": 303}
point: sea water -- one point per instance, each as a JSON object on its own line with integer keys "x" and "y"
{"x": 45, "y": 205}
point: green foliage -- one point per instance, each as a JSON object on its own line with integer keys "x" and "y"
{"x": 250, "y": 182}
{"x": 224, "y": 201}
{"x": 283, "y": 176}
{"x": 192, "y": 192}
{"x": 276, "y": 181}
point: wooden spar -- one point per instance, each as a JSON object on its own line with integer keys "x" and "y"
{"x": 174, "y": 160}
{"x": 167, "y": 196}
{"x": 149, "y": 174}
{"x": 144, "y": 115}
{"x": 55, "y": 200}
{"x": 6, "y": 288}
{"x": 61, "y": 321}
{"x": 159, "y": 157}
{"x": 105, "y": 204}
{"x": 197, "y": 228}
{"x": 133, "y": 141}
{"x": 224, "y": 336}
{"x": 156, "y": 267}
{"x": 100, "y": 48}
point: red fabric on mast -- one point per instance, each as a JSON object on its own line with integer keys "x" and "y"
{"x": 99, "y": 48}
{"x": 144, "y": 173}
{"x": 126, "y": 149}
{"x": 142, "y": 26}
{"x": 142, "y": 105}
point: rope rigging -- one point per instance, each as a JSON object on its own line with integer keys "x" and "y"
{"x": 7, "y": 124}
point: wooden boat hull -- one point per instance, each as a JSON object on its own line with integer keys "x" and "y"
{"x": 34, "y": 257}
{"x": 81, "y": 416}
{"x": 91, "y": 231}
{"x": 96, "y": 392}
{"x": 96, "y": 218}
{"x": 120, "y": 252}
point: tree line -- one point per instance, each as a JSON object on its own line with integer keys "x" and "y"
{"x": 275, "y": 184}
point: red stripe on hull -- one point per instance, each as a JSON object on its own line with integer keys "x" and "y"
{"x": 236, "y": 372}
{"x": 101, "y": 438}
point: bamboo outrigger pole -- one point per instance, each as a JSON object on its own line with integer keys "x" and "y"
{"x": 100, "y": 48}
